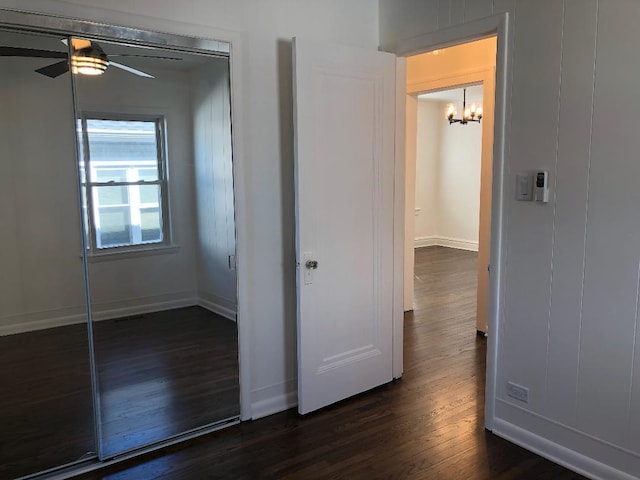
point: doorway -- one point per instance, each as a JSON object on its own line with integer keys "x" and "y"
{"x": 449, "y": 176}
{"x": 449, "y": 170}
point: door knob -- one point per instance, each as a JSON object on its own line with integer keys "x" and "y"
{"x": 311, "y": 264}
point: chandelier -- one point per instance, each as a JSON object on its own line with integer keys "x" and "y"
{"x": 469, "y": 114}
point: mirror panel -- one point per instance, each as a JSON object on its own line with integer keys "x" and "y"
{"x": 155, "y": 138}
{"x": 46, "y": 404}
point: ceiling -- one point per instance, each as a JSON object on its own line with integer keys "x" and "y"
{"x": 474, "y": 95}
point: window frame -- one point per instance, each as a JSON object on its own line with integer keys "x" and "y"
{"x": 88, "y": 184}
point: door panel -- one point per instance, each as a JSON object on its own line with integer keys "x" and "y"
{"x": 344, "y": 133}
{"x": 163, "y": 290}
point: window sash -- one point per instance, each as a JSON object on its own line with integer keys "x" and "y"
{"x": 90, "y": 187}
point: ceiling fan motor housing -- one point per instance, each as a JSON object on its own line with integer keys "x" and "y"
{"x": 90, "y": 60}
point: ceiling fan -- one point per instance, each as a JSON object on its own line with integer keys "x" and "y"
{"x": 87, "y": 58}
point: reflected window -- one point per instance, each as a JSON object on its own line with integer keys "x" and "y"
{"x": 123, "y": 173}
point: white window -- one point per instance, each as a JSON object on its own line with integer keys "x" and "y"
{"x": 124, "y": 179}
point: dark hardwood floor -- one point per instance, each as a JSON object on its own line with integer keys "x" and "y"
{"x": 159, "y": 374}
{"x": 46, "y": 408}
{"x": 164, "y": 373}
{"x": 428, "y": 425}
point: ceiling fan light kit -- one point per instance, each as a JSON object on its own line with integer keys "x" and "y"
{"x": 90, "y": 60}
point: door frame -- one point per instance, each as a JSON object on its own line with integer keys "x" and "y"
{"x": 497, "y": 25}
{"x": 181, "y": 36}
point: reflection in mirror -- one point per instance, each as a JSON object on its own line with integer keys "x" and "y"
{"x": 46, "y": 406}
{"x": 154, "y": 134}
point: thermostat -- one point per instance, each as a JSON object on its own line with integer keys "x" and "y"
{"x": 541, "y": 190}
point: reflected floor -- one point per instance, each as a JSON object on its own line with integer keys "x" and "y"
{"x": 160, "y": 374}
{"x": 46, "y": 409}
{"x": 164, "y": 373}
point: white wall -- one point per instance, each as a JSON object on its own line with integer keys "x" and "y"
{"x": 428, "y": 139}
{"x": 262, "y": 31}
{"x": 214, "y": 187}
{"x": 447, "y": 179}
{"x": 569, "y": 311}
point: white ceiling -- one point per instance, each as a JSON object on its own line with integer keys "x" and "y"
{"x": 474, "y": 95}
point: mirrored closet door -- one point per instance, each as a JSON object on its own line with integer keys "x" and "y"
{"x": 46, "y": 404}
{"x": 118, "y": 287}
{"x": 154, "y": 134}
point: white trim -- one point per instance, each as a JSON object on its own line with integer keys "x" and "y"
{"x": 398, "y": 221}
{"x": 55, "y": 319}
{"x": 566, "y": 457}
{"x": 244, "y": 276}
{"x": 120, "y": 309}
{"x": 70, "y": 316}
{"x": 31, "y": 322}
{"x": 274, "y": 399}
{"x": 493, "y": 25}
{"x": 438, "y": 83}
{"x": 116, "y": 254}
{"x": 218, "y": 309}
{"x": 449, "y": 242}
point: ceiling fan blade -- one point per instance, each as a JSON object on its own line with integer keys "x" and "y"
{"x": 140, "y": 73}
{"x": 54, "y": 70}
{"x": 144, "y": 56}
{"x": 30, "y": 52}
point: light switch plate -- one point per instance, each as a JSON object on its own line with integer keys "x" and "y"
{"x": 524, "y": 188}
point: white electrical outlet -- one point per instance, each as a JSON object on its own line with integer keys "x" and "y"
{"x": 518, "y": 392}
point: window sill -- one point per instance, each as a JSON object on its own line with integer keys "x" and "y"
{"x": 131, "y": 253}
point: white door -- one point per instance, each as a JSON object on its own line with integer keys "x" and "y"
{"x": 344, "y": 104}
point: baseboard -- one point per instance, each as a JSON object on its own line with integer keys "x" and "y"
{"x": 425, "y": 242}
{"x": 50, "y": 319}
{"x": 216, "y": 308}
{"x": 433, "y": 241}
{"x": 32, "y": 322}
{"x": 273, "y": 399}
{"x": 99, "y": 314}
{"x": 596, "y": 461}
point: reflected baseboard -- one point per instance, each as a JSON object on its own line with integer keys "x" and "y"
{"x": 158, "y": 303}
{"x": 39, "y": 321}
{"x": 215, "y": 307}
{"x": 31, "y": 322}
